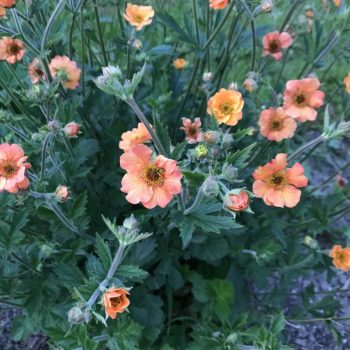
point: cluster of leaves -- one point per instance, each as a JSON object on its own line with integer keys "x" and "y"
{"x": 203, "y": 280}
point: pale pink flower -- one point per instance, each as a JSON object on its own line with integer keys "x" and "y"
{"x": 192, "y": 130}
{"x": 274, "y": 42}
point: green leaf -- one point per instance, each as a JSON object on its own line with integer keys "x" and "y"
{"x": 79, "y": 206}
{"x": 178, "y": 150}
{"x": 19, "y": 220}
{"x": 239, "y": 158}
{"x": 131, "y": 273}
{"x": 193, "y": 178}
{"x": 103, "y": 252}
{"x": 186, "y": 230}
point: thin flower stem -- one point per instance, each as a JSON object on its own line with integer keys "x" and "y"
{"x": 100, "y": 34}
{"x": 308, "y": 145}
{"x": 82, "y": 51}
{"x": 220, "y": 25}
{"x": 43, "y": 154}
{"x": 289, "y": 15}
{"x": 252, "y": 65}
{"x": 134, "y": 106}
{"x": 113, "y": 268}
{"x": 196, "y": 20}
{"x": 128, "y": 64}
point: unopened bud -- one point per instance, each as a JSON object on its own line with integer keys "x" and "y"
{"x": 72, "y": 129}
{"x": 250, "y": 85}
{"x": 229, "y": 172}
{"x": 310, "y": 242}
{"x": 53, "y": 125}
{"x": 62, "y": 193}
{"x": 210, "y": 187}
{"x": 78, "y": 316}
{"x": 136, "y": 44}
{"x": 232, "y": 86}
{"x": 236, "y": 201}
{"x": 131, "y": 223}
{"x": 227, "y": 141}
{"x": 201, "y": 151}
{"x": 111, "y": 72}
{"x": 267, "y": 6}
{"x": 211, "y": 137}
{"x": 207, "y": 77}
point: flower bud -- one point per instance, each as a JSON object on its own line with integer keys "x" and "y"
{"x": 229, "y": 172}
{"x": 111, "y": 72}
{"x": 267, "y": 6}
{"x": 250, "y": 85}
{"x": 227, "y": 141}
{"x": 62, "y": 193}
{"x": 136, "y": 44}
{"x": 210, "y": 187}
{"x": 211, "y": 137}
{"x": 310, "y": 242}
{"x": 131, "y": 223}
{"x": 232, "y": 86}
{"x": 236, "y": 201}
{"x": 207, "y": 77}
{"x": 72, "y": 129}
{"x": 76, "y": 315}
{"x": 201, "y": 151}
{"x": 53, "y": 125}
{"x": 179, "y": 63}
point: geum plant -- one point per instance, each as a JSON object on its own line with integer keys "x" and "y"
{"x": 191, "y": 233}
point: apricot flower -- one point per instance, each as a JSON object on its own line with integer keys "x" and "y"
{"x": 277, "y": 185}
{"x": 226, "y": 106}
{"x": 13, "y": 166}
{"x": 134, "y": 137}
{"x": 218, "y": 4}
{"x": 179, "y": 63}
{"x": 347, "y": 83}
{"x": 150, "y": 182}
{"x": 66, "y": 70}
{"x": 341, "y": 257}
{"x": 7, "y": 3}
{"x": 276, "y": 125}
{"x": 274, "y": 42}
{"x": 35, "y": 71}
{"x": 302, "y": 98}
{"x": 192, "y": 130}
{"x": 237, "y": 201}
{"x": 11, "y": 50}
{"x": 115, "y": 301}
{"x": 139, "y": 16}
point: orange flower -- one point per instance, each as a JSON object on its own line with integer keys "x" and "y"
{"x": 218, "y": 4}
{"x": 7, "y": 3}
{"x": 11, "y": 50}
{"x": 2, "y": 11}
{"x": 337, "y": 3}
{"x": 35, "y": 71}
{"x": 66, "y": 70}
{"x": 347, "y": 83}
{"x": 151, "y": 182}
{"x": 237, "y": 202}
{"x": 139, "y": 16}
{"x": 179, "y": 63}
{"x": 341, "y": 257}
{"x": 134, "y": 137}
{"x": 192, "y": 130}
{"x": 12, "y": 168}
{"x": 278, "y": 186}
{"x": 276, "y": 125}
{"x": 301, "y": 98}
{"x": 115, "y": 301}
{"x": 226, "y": 106}
{"x": 274, "y": 42}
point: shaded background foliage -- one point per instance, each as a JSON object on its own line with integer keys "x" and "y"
{"x": 226, "y": 289}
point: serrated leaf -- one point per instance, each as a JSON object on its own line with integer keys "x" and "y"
{"x": 186, "y": 231}
{"x": 79, "y": 206}
{"x": 19, "y": 220}
{"x": 131, "y": 272}
{"x": 193, "y": 178}
{"x": 103, "y": 252}
{"x": 239, "y": 158}
{"x": 178, "y": 150}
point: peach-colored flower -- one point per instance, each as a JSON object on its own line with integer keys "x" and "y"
{"x": 218, "y": 4}
{"x": 2, "y": 11}
{"x": 7, "y": 3}
{"x": 71, "y": 129}
{"x": 139, "y": 16}
{"x": 274, "y": 42}
{"x": 11, "y": 50}
{"x": 12, "y": 168}
{"x": 226, "y": 106}
{"x": 302, "y": 97}
{"x": 347, "y": 83}
{"x": 192, "y": 130}
{"x": 62, "y": 193}
{"x": 237, "y": 202}
{"x": 276, "y": 125}
{"x": 151, "y": 182}
{"x": 134, "y": 137}
{"x": 179, "y": 63}
{"x": 341, "y": 257}
{"x": 115, "y": 301}
{"x": 337, "y": 3}
{"x": 66, "y": 70}
{"x": 35, "y": 71}
{"x": 277, "y": 185}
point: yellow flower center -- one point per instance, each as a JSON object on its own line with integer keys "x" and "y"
{"x": 8, "y": 170}
{"x": 226, "y": 108}
{"x": 340, "y": 256}
{"x": 153, "y": 175}
{"x": 139, "y": 18}
{"x": 277, "y": 180}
